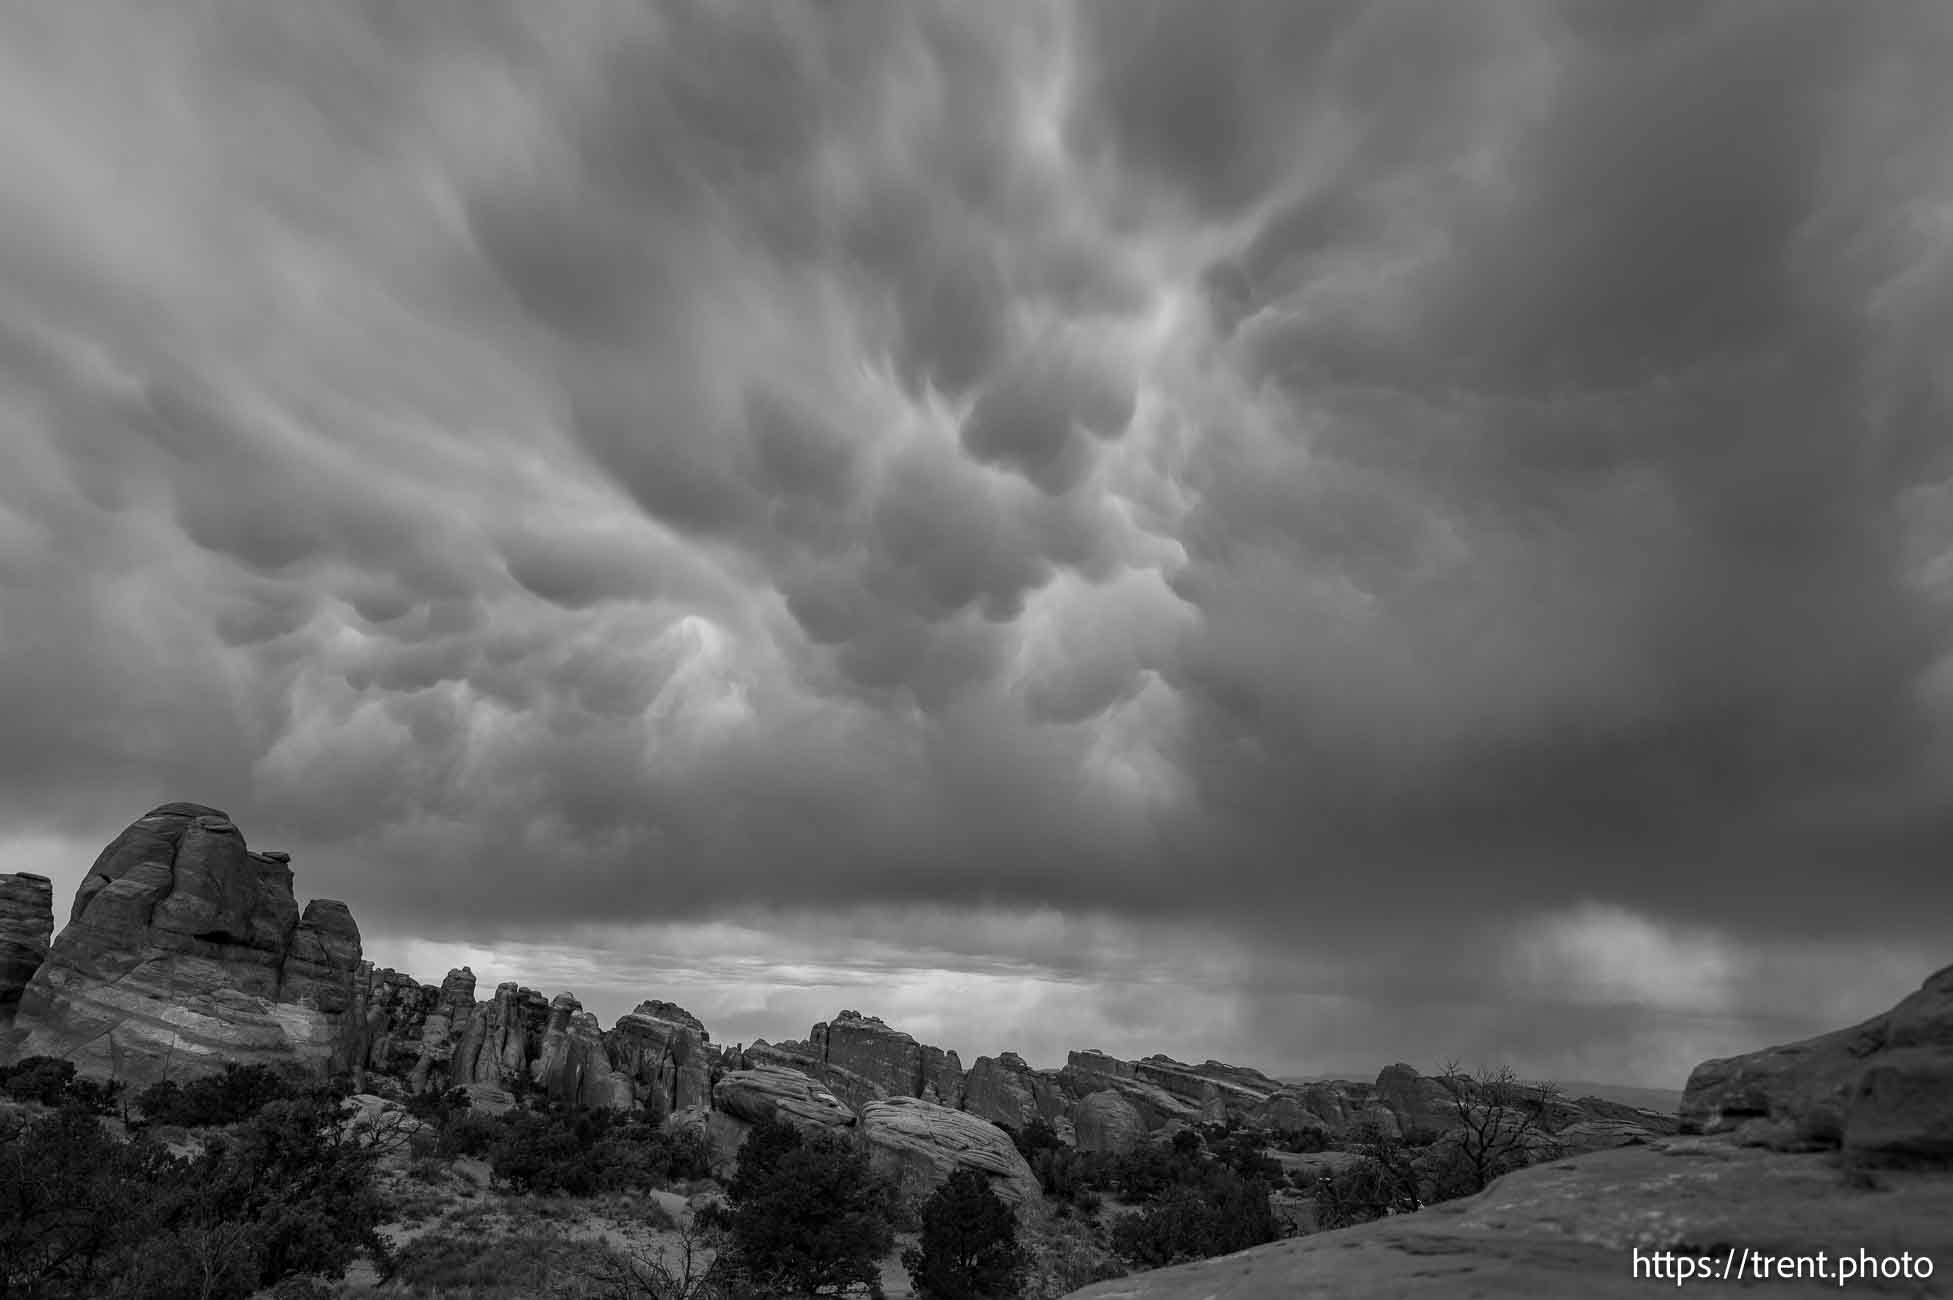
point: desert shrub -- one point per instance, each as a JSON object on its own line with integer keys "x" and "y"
{"x": 469, "y": 1134}
{"x": 1371, "y": 1188}
{"x": 302, "y": 1181}
{"x": 536, "y": 1152}
{"x": 637, "y": 1155}
{"x": 1074, "y": 1177}
{"x": 95, "y": 1096}
{"x": 38, "y": 1078}
{"x": 53, "y": 1082}
{"x": 1066, "y": 1254}
{"x": 1246, "y": 1154}
{"x": 808, "y": 1214}
{"x": 524, "y": 1263}
{"x": 1222, "y": 1214}
{"x": 969, "y": 1248}
{"x": 769, "y": 1142}
{"x": 1500, "y": 1123}
{"x": 85, "y": 1214}
{"x": 1152, "y": 1169}
{"x": 580, "y": 1152}
{"x": 1301, "y": 1141}
{"x": 440, "y": 1108}
{"x": 1034, "y": 1137}
{"x": 235, "y": 1093}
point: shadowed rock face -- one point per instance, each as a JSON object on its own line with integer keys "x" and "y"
{"x": 663, "y": 1050}
{"x": 1882, "y": 1089}
{"x": 26, "y": 929}
{"x": 1415, "y": 1100}
{"x": 1005, "y": 1090}
{"x": 184, "y": 950}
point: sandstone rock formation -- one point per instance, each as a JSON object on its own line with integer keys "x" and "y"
{"x": 390, "y": 1013}
{"x": 572, "y": 1065}
{"x": 503, "y": 1038}
{"x": 1005, "y": 1090}
{"x": 665, "y": 1052}
{"x": 1570, "y": 1227}
{"x": 1882, "y": 1089}
{"x": 767, "y": 1091}
{"x": 26, "y": 929}
{"x": 891, "y": 1061}
{"x": 918, "y": 1145}
{"x": 185, "y": 949}
{"x": 1092, "y": 1071}
{"x": 1106, "y": 1121}
{"x": 861, "y": 1059}
{"x": 449, "y": 1018}
{"x": 1414, "y": 1100}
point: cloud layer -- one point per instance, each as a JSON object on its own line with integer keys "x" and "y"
{"x": 1377, "y": 489}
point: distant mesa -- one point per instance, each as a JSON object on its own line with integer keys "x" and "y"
{"x": 185, "y": 950}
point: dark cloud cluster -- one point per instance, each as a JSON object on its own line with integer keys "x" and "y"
{"x": 1313, "y": 474}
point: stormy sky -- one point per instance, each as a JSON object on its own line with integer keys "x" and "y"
{"x": 1309, "y": 534}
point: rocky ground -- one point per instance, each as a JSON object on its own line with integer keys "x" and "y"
{"x": 1570, "y": 1228}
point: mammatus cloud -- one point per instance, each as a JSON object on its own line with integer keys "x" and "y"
{"x": 1461, "y": 499}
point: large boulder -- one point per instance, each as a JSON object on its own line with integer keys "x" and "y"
{"x": 1882, "y": 1089}
{"x": 917, "y": 1145}
{"x": 1415, "y": 1100}
{"x": 185, "y": 950}
{"x": 768, "y": 1091}
{"x": 26, "y": 929}
{"x": 1308, "y": 1108}
{"x": 1106, "y": 1121}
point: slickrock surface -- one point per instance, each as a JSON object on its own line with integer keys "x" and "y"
{"x": 1568, "y": 1228}
{"x": 26, "y": 929}
{"x": 919, "y": 1144}
{"x": 758, "y": 1094}
{"x": 1882, "y": 1089}
{"x": 184, "y": 950}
